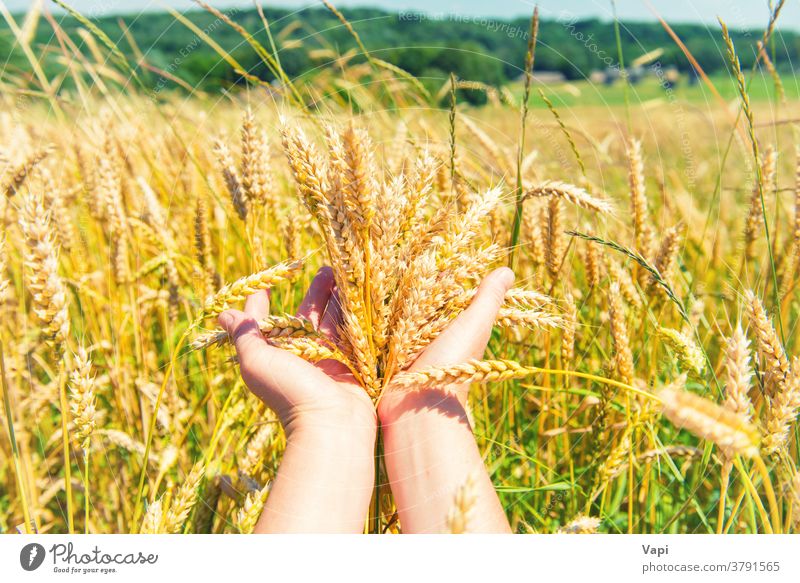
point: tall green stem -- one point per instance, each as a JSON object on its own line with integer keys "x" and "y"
{"x": 13, "y": 439}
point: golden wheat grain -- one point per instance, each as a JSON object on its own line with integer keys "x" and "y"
{"x": 257, "y": 182}
{"x": 42, "y": 271}
{"x": 54, "y": 201}
{"x": 247, "y": 516}
{"x": 572, "y": 194}
{"x": 82, "y": 398}
{"x": 231, "y": 176}
{"x": 554, "y": 249}
{"x": 738, "y": 374}
{"x": 592, "y": 265}
{"x": 472, "y": 371}
{"x": 458, "y": 517}
{"x": 754, "y": 222}
{"x": 568, "y": 335}
{"x": 241, "y": 288}
{"x": 636, "y": 181}
{"x": 254, "y": 451}
{"x": 666, "y": 255}
{"x": 673, "y": 451}
{"x": 730, "y": 431}
{"x": 782, "y": 409}
{"x": 689, "y": 354}
{"x": 581, "y": 525}
{"x": 202, "y": 246}
{"x": 614, "y": 463}
{"x": 206, "y": 507}
{"x": 623, "y": 357}
{"x": 627, "y": 287}
{"x": 271, "y": 327}
{"x": 776, "y": 364}
{"x": 126, "y": 442}
{"x": 153, "y": 518}
{"x": 13, "y": 177}
{"x": 184, "y": 500}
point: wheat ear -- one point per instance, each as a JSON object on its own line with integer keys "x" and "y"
{"x": 241, "y": 288}
{"x": 730, "y": 431}
{"x": 572, "y": 194}
{"x": 247, "y": 515}
{"x": 769, "y": 346}
{"x": 458, "y": 517}
{"x": 41, "y": 262}
{"x": 271, "y": 327}
{"x": 581, "y": 525}
{"x": 184, "y": 500}
{"x": 82, "y": 384}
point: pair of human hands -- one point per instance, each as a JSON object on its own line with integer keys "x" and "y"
{"x": 326, "y": 477}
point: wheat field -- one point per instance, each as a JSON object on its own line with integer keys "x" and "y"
{"x": 641, "y": 377}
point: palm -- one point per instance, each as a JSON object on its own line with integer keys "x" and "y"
{"x": 285, "y": 382}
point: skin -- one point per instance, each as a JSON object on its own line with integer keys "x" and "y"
{"x": 428, "y": 442}
{"x": 326, "y": 477}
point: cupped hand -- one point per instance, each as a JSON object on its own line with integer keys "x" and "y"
{"x": 302, "y": 394}
{"x": 465, "y": 338}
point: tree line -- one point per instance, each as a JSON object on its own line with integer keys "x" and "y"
{"x": 429, "y": 47}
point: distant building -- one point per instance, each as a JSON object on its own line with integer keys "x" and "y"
{"x": 547, "y": 77}
{"x": 597, "y": 77}
{"x": 668, "y": 77}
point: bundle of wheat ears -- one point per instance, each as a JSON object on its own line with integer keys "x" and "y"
{"x": 405, "y": 264}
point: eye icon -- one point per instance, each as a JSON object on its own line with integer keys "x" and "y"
{"x": 31, "y": 556}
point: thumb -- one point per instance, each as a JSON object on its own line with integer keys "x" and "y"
{"x": 244, "y": 333}
{"x": 466, "y": 336}
{"x": 478, "y": 319}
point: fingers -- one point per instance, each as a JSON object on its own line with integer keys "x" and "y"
{"x": 274, "y": 375}
{"x": 332, "y": 318}
{"x": 257, "y": 305}
{"x": 319, "y": 292}
{"x": 243, "y": 330}
{"x": 467, "y": 336}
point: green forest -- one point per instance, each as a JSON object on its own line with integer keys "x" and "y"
{"x": 429, "y": 48}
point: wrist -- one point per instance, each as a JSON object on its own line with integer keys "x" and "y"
{"x": 405, "y": 406}
{"x": 354, "y": 429}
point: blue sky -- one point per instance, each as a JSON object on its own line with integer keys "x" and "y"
{"x": 737, "y": 13}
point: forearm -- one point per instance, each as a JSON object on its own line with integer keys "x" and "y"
{"x": 324, "y": 482}
{"x": 430, "y": 453}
